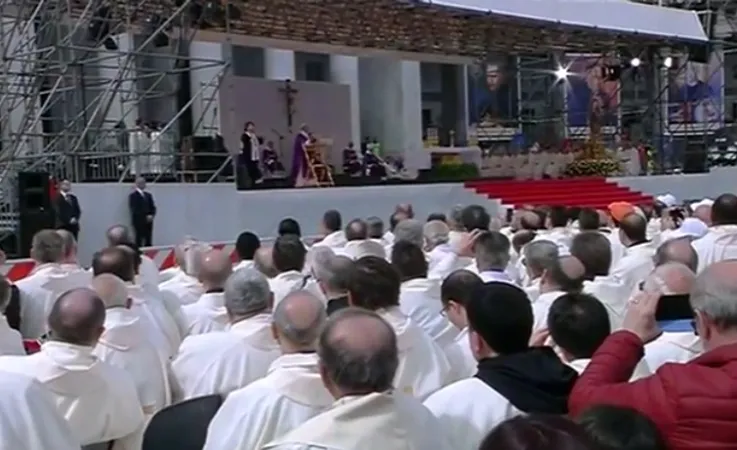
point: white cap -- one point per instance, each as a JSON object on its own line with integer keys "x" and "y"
{"x": 704, "y": 202}
{"x": 668, "y": 200}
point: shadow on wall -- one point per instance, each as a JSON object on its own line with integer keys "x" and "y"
{"x": 217, "y": 212}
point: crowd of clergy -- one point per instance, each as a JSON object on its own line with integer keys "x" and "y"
{"x": 459, "y": 332}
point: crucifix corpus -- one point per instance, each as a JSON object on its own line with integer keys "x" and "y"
{"x": 289, "y": 98}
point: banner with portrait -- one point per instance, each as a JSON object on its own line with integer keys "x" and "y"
{"x": 591, "y": 99}
{"x": 695, "y": 95}
{"x": 493, "y": 99}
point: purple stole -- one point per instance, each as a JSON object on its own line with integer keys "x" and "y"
{"x": 299, "y": 158}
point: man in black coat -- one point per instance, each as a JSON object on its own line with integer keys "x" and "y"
{"x": 143, "y": 210}
{"x": 67, "y": 209}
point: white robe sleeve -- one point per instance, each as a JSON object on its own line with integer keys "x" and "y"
{"x": 233, "y": 428}
{"x": 29, "y": 420}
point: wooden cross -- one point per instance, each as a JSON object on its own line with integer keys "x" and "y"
{"x": 289, "y": 98}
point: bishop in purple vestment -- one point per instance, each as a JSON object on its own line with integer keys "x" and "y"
{"x": 299, "y": 157}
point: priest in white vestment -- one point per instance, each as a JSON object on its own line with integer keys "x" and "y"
{"x": 290, "y": 394}
{"x": 678, "y": 343}
{"x": 30, "y": 420}
{"x": 512, "y": 378}
{"x": 492, "y": 254}
{"x": 223, "y": 361}
{"x": 720, "y": 242}
{"x": 185, "y": 283}
{"x": 637, "y": 261}
{"x": 357, "y": 362}
{"x": 578, "y": 324}
{"x": 245, "y": 249}
{"x": 423, "y": 367}
{"x": 208, "y": 312}
{"x": 565, "y": 274}
{"x": 35, "y": 299}
{"x": 537, "y": 257}
{"x": 69, "y": 261}
{"x": 289, "y": 256}
{"x": 438, "y": 248}
{"x": 160, "y": 327}
{"x": 455, "y": 293}
{"x": 556, "y": 228}
{"x": 99, "y": 401}
{"x": 593, "y": 250}
{"x": 148, "y": 272}
{"x": 331, "y": 228}
{"x": 123, "y": 344}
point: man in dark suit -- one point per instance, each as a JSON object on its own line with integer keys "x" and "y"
{"x": 67, "y": 209}
{"x": 143, "y": 211}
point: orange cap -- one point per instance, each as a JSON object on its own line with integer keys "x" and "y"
{"x": 619, "y": 210}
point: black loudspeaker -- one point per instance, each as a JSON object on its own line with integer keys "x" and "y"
{"x": 30, "y": 223}
{"x": 33, "y": 191}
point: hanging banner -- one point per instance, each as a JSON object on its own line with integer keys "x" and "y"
{"x": 591, "y": 99}
{"x": 493, "y": 98}
{"x": 696, "y": 96}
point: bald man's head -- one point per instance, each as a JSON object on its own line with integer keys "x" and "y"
{"x": 724, "y": 210}
{"x": 111, "y": 290}
{"x": 677, "y": 251}
{"x": 703, "y": 213}
{"x": 77, "y": 317}
{"x": 530, "y": 220}
{"x": 358, "y": 353}
{"x": 264, "y": 262}
{"x": 115, "y": 261}
{"x": 117, "y": 234}
{"x": 633, "y": 229}
{"x": 566, "y": 274}
{"x": 671, "y": 279}
{"x": 215, "y": 268}
{"x": 298, "y": 320}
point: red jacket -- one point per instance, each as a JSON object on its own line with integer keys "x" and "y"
{"x": 693, "y": 404}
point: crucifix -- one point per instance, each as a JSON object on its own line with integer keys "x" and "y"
{"x": 289, "y": 98}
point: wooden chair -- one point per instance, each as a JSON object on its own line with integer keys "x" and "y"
{"x": 320, "y": 172}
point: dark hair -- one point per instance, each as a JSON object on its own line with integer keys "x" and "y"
{"x": 135, "y": 253}
{"x": 288, "y": 253}
{"x": 332, "y": 220}
{"x": 558, "y": 216}
{"x": 634, "y": 226}
{"x": 115, "y": 261}
{"x": 76, "y": 328}
{"x": 578, "y": 323}
{"x": 594, "y": 251}
{"x": 248, "y": 123}
{"x": 409, "y": 260}
{"x": 246, "y": 245}
{"x": 619, "y": 428}
{"x": 375, "y": 227}
{"x": 356, "y": 230}
{"x": 375, "y": 284}
{"x": 724, "y": 210}
{"x": 475, "y": 217}
{"x": 289, "y": 226}
{"x": 501, "y": 314}
{"x": 537, "y": 432}
{"x": 522, "y": 238}
{"x": 436, "y": 216}
{"x": 588, "y": 219}
{"x": 491, "y": 250}
{"x": 573, "y": 213}
{"x": 367, "y": 368}
{"x": 460, "y": 286}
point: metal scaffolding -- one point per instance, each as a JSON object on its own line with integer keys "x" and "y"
{"x": 79, "y": 79}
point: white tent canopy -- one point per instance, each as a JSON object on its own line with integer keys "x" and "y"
{"x": 617, "y": 16}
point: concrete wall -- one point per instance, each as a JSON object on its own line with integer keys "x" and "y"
{"x": 217, "y": 212}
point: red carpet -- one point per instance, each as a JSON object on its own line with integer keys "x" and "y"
{"x": 583, "y": 192}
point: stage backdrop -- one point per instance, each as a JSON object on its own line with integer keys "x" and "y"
{"x": 695, "y": 96}
{"x": 589, "y": 96}
{"x": 493, "y": 100}
{"x": 325, "y": 107}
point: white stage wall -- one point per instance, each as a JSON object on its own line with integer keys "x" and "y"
{"x": 217, "y": 212}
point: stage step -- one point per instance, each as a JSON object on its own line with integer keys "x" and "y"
{"x": 592, "y": 192}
